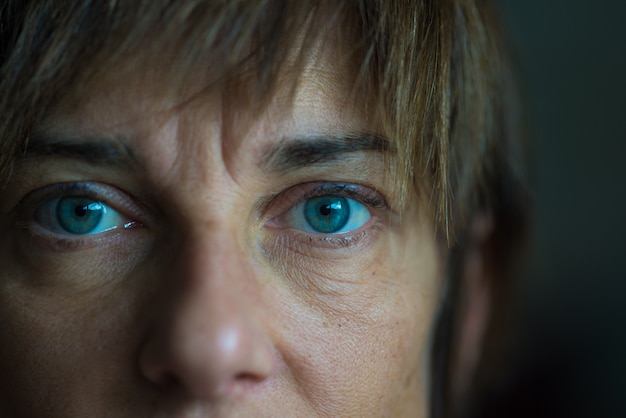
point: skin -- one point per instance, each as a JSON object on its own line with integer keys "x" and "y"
{"x": 212, "y": 303}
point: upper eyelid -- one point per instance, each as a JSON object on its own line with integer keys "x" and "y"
{"x": 358, "y": 192}
{"x": 292, "y": 196}
{"x": 109, "y": 195}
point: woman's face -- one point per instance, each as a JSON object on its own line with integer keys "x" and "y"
{"x": 205, "y": 261}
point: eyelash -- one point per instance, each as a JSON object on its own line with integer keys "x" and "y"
{"x": 277, "y": 206}
{"x": 110, "y": 196}
{"x": 283, "y": 202}
{"x": 306, "y": 191}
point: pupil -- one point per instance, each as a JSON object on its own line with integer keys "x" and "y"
{"x": 80, "y": 211}
{"x": 326, "y": 210}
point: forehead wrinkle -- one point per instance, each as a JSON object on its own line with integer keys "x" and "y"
{"x": 196, "y": 137}
{"x": 320, "y": 86}
{"x": 237, "y": 125}
{"x": 318, "y": 74}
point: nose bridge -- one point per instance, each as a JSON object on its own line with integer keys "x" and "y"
{"x": 212, "y": 337}
{"x": 211, "y": 255}
{"x": 214, "y": 319}
{"x": 218, "y": 286}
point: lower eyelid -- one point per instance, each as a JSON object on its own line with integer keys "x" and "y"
{"x": 43, "y": 238}
{"x": 324, "y": 246}
{"x": 132, "y": 237}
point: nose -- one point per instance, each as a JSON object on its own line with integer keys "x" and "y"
{"x": 209, "y": 340}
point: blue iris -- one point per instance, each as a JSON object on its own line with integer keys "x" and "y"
{"x": 79, "y": 215}
{"x": 327, "y": 214}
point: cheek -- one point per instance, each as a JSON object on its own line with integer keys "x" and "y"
{"x": 351, "y": 330}
{"x": 66, "y": 352}
{"x": 362, "y": 328}
{"x": 65, "y": 321}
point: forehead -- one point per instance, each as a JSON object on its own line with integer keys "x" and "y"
{"x": 168, "y": 76}
{"x": 160, "y": 123}
{"x": 313, "y": 91}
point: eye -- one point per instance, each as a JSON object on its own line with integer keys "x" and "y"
{"x": 78, "y": 215}
{"x": 328, "y": 215}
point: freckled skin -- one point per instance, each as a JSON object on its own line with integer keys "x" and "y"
{"x": 203, "y": 311}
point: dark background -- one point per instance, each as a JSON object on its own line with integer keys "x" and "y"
{"x": 570, "y": 360}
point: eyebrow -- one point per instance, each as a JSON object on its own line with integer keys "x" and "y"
{"x": 283, "y": 157}
{"x": 293, "y": 154}
{"x": 98, "y": 151}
